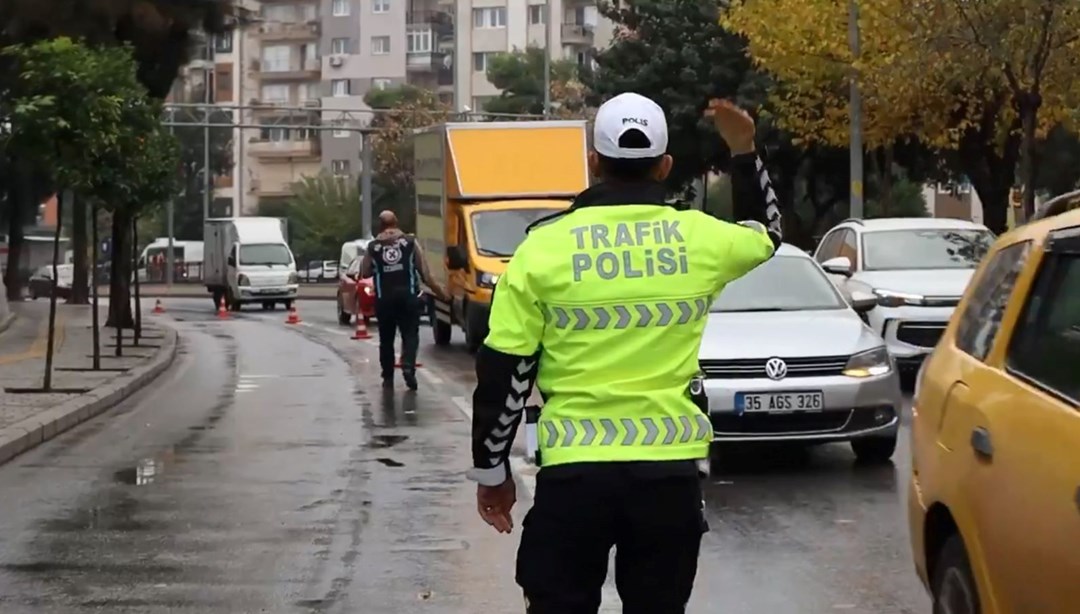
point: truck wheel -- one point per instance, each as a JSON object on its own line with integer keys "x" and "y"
{"x": 288, "y": 305}
{"x": 218, "y": 296}
{"x": 475, "y": 331}
{"x": 442, "y": 331}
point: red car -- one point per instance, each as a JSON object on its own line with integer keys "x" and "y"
{"x": 355, "y": 296}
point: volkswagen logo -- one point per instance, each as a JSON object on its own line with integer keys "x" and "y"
{"x": 776, "y": 369}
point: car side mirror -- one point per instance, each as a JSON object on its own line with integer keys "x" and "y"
{"x": 863, "y": 302}
{"x": 231, "y": 261}
{"x": 455, "y": 255}
{"x": 841, "y": 265}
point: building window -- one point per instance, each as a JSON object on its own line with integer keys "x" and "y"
{"x": 380, "y": 83}
{"x": 275, "y": 94}
{"x": 279, "y": 12}
{"x": 480, "y": 61}
{"x": 339, "y": 87}
{"x": 304, "y": 134}
{"x": 223, "y": 83}
{"x": 275, "y": 135}
{"x": 340, "y": 168}
{"x": 275, "y": 58}
{"x": 310, "y": 12}
{"x": 342, "y": 134}
{"x": 223, "y": 42}
{"x": 419, "y": 40}
{"x": 310, "y": 91}
{"x": 380, "y": 45}
{"x": 380, "y": 6}
{"x": 489, "y": 17}
{"x": 339, "y": 46}
{"x": 536, "y": 14}
{"x": 340, "y": 8}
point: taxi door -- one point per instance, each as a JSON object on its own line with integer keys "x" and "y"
{"x": 1033, "y": 445}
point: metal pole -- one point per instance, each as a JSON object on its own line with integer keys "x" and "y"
{"x": 238, "y": 167}
{"x": 169, "y": 223}
{"x": 365, "y": 184}
{"x": 856, "y": 145}
{"x": 547, "y": 57}
{"x": 207, "y": 181}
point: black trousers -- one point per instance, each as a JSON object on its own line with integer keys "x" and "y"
{"x": 655, "y": 523}
{"x": 398, "y": 313}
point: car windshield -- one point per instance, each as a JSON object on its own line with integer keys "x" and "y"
{"x": 782, "y": 283}
{"x": 950, "y": 248}
{"x": 499, "y": 233}
{"x": 271, "y": 253}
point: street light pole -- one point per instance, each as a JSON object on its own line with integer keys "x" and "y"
{"x": 208, "y": 182}
{"x": 170, "y": 262}
{"x": 856, "y": 145}
{"x": 547, "y": 57}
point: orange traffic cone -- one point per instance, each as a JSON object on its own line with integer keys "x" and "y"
{"x": 361, "y": 331}
{"x": 294, "y": 317}
{"x": 158, "y": 307}
{"x": 222, "y": 313}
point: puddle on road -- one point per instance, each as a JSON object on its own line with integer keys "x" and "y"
{"x": 386, "y": 441}
{"x": 389, "y": 462}
{"x": 144, "y": 473}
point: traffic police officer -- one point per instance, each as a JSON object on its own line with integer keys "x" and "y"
{"x": 604, "y": 308}
{"x": 397, "y": 262}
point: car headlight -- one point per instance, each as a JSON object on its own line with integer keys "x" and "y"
{"x": 888, "y": 298}
{"x": 869, "y": 364}
{"x": 486, "y": 280}
{"x": 294, "y": 278}
{"x": 243, "y": 281}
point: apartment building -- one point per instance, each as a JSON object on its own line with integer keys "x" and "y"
{"x": 326, "y": 55}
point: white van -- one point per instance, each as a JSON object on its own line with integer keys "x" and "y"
{"x": 248, "y": 261}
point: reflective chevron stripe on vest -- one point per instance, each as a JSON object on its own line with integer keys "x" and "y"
{"x": 636, "y": 315}
{"x": 626, "y": 432}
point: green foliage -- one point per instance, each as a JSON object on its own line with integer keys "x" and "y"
{"x": 396, "y": 96}
{"x": 323, "y": 213}
{"x": 905, "y": 199}
{"x": 520, "y": 76}
{"x": 675, "y": 52}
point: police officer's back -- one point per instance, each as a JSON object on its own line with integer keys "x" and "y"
{"x": 604, "y": 307}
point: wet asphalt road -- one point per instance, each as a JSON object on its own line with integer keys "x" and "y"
{"x": 268, "y": 472}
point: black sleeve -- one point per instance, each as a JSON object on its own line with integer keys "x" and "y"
{"x": 503, "y": 385}
{"x": 752, "y": 195}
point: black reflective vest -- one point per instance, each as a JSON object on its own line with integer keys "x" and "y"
{"x": 394, "y": 263}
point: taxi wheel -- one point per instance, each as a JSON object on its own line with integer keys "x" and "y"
{"x": 953, "y": 584}
{"x": 874, "y": 450}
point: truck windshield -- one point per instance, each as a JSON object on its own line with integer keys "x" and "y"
{"x": 498, "y": 233}
{"x": 267, "y": 254}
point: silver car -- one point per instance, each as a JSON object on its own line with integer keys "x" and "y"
{"x": 787, "y": 359}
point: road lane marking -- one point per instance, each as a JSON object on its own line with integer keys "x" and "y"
{"x": 463, "y": 405}
{"x": 433, "y": 379}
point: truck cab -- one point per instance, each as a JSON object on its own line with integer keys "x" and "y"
{"x": 479, "y": 185}
{"x": 248, "y": 260}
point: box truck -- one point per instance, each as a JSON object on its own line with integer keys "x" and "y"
{"x": 478, "y": 186}
{"x": 247, "y": 260}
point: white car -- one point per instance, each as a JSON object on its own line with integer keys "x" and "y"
{"x": 787, "y": 359}
{"x": 917, "y": 268}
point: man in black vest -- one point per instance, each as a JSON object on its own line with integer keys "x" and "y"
{"x": 397, "y": 263}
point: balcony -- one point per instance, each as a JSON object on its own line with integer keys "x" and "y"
{"x": 440, "y": 23}
{"x": 284, "y": 150}
{"x": 425, "y": 61}
{"x": 575, "y": 34}
{"x": 271, "y": 32}
{"x": 294, "y": 71}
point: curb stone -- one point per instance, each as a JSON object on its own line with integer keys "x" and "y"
{"x": 25, "y": 435}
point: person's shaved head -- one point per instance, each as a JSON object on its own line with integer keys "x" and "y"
{"x": 387, "y": 220}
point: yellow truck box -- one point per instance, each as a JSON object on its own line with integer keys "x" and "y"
{"x": 478, "y": 186}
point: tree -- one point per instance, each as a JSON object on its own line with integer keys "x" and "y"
{"x": 919, "y": 79}
{"x": 160, "y": 33}
{"x": 406, "y": 108}
{"x": 323, "y": 213}
{"x": 676, "y": 53}
{"x": 520, "y": 76}
{"x": 61, "y": 110}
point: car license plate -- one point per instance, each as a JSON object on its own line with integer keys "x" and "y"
{"x": 779, "y": 402}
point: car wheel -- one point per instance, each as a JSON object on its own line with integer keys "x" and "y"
{"x": 875, "y": 450}
{"x": 474, "y": 336}
{"x": 442, "y": 331}
{"x": 953, "y": 585}
{"x": 288, "y": 305}
{"x": 267, "y": 306}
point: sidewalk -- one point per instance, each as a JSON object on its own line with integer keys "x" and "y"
{"x": 308, "y": 292}
{"x": 29, "y": 416}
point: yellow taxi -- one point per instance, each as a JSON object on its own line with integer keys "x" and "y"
{"x": 994, "y": 500}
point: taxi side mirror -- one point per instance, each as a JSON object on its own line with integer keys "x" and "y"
{"x": 455, "y": 255}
